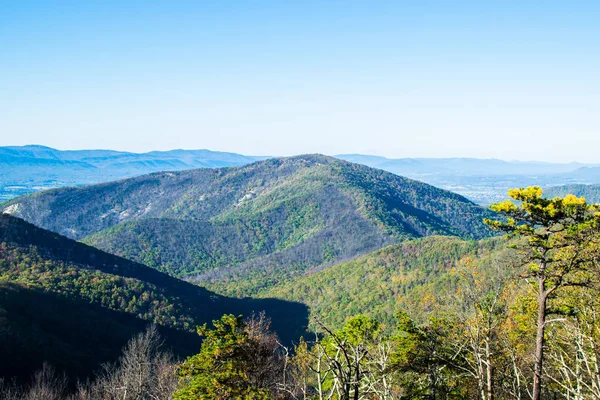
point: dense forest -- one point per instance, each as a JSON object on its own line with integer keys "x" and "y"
{"x": 419, "y": 276}
{"x": 590, "y": 192}
{"x": 75, "y": 306}
{"x": 364, "y": 285}
{"x": 256, "y": 224}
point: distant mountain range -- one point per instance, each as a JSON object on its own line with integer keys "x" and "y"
{"x": 254, "y": 225}
{"x": 308, "y": 231}
{"x": 483, "y": 180}
{"x": 461, "y": 166}
{"x": 75, "y": 306}
{"x": 28, "y": 169}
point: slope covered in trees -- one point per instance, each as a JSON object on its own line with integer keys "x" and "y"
{"x": 590, "y": 192}
{"x": 75, "y": 306}
{"x": 418, "y": 275}
{"x": 261, "y": 222}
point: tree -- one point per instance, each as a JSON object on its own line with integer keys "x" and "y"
{"x": 144, "y": 370}
{"x": 558, "y": 248}
{"x": 574, "y": 352}
{"x": 481, "y": 315}
{"x": 342, "y": 359}
{"x": 237, "y": 360}
{"x": 426, "y": 356}
{"x": 47, "y": 384}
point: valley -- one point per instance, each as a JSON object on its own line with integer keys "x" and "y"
{"x": 81, "y": 305}
{"x": 30, "y": 169}
{"x": 255, "y": 224}
{"x": 311, "y": 244}
{"x": 299, "y": 200}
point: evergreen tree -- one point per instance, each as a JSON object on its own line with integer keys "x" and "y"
{"x": 557, "y": 250}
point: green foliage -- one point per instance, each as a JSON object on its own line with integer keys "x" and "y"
{"x": 220, "y": 370}
{"x": 144, "y": 300}
{"x": 359, "y": 330}
{"x": 590, "y": 192}
{"x": 74, "y": 279}
{"x": 255, "y": 225}
{"x": 415, "y": 275}
{"x": 408, "y": 341}
{"x": 427, "y": 357}
{"x": 560, "y": 253}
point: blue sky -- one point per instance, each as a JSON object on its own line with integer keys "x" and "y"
{"x": 505, "y": 79}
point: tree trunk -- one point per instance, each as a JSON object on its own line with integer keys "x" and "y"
{"x": 357, "y": 383}
{"x": 489, "y": 371}
{"x": 433, "y": 384}
{"x": 539, "y": 340}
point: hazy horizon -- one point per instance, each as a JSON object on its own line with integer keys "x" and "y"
{"x": 298, "y": 154}
{"x": 432, "y": 79}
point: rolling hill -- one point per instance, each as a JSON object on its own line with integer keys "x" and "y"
{"x": 28, "y": 169}
{"x": 74, "y": 306}
{"x": 590, "y": 192}
{"x": 33, "y": 168}
{"x": 418, "y": 276}
{"x": 255, "y": 224}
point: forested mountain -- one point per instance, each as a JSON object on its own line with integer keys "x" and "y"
{"x": 74, "y": 306}
{"x": 27, "y": 169}
{"x": 419, "y": 276}
{"x": 590, "y": 192}
{"x": 257, "y": 223}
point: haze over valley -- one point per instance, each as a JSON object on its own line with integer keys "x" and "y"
{"x": 299, "y": 200}
{"x": 27, "y": 169}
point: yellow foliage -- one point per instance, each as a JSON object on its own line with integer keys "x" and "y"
{"x": 572, "y": 200}
{"x": 506, "y": 206}
{"x": 525, "y": 194}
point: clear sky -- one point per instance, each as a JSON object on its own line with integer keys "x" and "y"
{"x": 506, "y": 79}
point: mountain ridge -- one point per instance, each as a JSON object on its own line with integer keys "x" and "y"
{"x": 284, "y": 215}
{"x": 413, "y": 276}
{"x": 26, "y": 169}
{"x": 38, "y": 264}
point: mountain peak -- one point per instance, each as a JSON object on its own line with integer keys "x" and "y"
{"x": 279, "y": 216}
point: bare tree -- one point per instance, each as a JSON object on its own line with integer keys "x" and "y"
{"x": 346, "y": 356}
{"x": 9, "y": 390}
{"x": 265, "y": 353}
{"x": 47, "y": 384}
{"x": 483, "y": 312}
{"x": 574, "y": 353}
{"x": 379, "y": 376}
{"x": 142, "y": 372}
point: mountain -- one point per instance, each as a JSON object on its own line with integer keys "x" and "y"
{"x": 484, "y": 181}
{"x": 27, "y": 169}
{"x": 417, "y": 276}
{"x": 254, "y": 224}
{"x": 586, "y": 174}
{"x": 461, "y": 166}
{"x": 75, "y": 306}
{"x": 590, "y": 192}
